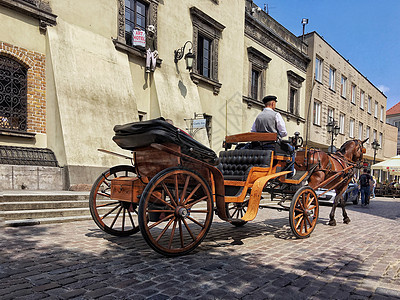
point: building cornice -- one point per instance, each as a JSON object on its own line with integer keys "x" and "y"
{"x": 41, "y": 11}
{"x": 267, "y": 38}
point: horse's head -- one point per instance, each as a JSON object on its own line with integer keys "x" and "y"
{"x": 353, "y": 150}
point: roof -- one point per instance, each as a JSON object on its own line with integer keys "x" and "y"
{"x": 394, "y": 110}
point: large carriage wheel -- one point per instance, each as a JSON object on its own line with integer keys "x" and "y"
{"x": 175, "y": 211}
{"x": 112, "y": 216}
{"x": 236, "y": 210}
{"x": 304, "y": 211}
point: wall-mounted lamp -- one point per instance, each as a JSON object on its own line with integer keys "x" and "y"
{"x": 189, "y": 57}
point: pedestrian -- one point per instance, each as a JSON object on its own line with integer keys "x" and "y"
{"x": 271, "y": 121}
{"x": 373, "y": 185}
{"x": 365, "y": 186}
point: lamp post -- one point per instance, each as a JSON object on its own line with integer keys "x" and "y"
{"x": 375, "y": 146}
{"x": 333, "y": 130}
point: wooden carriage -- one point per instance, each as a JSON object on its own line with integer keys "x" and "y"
{"x": 172, "y": 190}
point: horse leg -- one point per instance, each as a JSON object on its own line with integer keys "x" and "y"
{"x": 332, "y": 221}
{"x": 346, "y": 219}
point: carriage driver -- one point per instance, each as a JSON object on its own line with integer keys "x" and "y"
{"x": 271, "y": 121}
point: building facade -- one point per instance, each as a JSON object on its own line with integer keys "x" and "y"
{"x": 393, "y": 118}
{"x": 339, "y": 94}
{"x": 77, "y": 75}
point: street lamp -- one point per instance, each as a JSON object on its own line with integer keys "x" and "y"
{"x": 189, "y": 57}
{"x": 375, "y": 146}
{"x": 333, "y": 129}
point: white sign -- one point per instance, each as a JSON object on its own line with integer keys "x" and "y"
{"x": 139, "y": 38}
{"x": 199, "y": 123}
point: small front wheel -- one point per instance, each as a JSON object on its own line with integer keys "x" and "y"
{"x": 115, "y": 217}
{"x": 175, "y": 211}
{"x": 303, "y": 215}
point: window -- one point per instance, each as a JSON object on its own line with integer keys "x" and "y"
{"x": 294, "y": 82}
{"x": 343, "y": 84}
{"x": 332, "y": 78}
{"x": 255, "y": 83}
{"x": 362, "y": 99}
{"x": 374, "y": 135}
{"x": 204, "y": 56}
{"x": 367, "y": 134}
{"x": 369, "y": 104}
{"x": 397, "y": 124}
{"x": 258, "y": 64}
{"x": 381, "y": 118}
{"x": 376, "y": 110}
{"x": 206, "y": 35}
{"x": 317, "y": 113}
{"x": 292, "y": 100}
{"x": 135, "y": 18}
{"x": 353, "y": 93}
{"x": 351, "y": 128}
{"x": 380, "y": 138}
{"x": 318, "y": 69}
{"x": 341, "y": 123}
{"x": 331, "y": 113}
{"x": 360, "y": 130}
{"x": 13, "y": 95}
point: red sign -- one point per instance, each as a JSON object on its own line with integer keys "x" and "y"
{"x": 139, "y": 38}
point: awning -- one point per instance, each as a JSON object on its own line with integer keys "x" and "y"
{"x": 391, "y": 165}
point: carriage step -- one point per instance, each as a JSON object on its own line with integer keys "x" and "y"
{"x": 298, "y": 175}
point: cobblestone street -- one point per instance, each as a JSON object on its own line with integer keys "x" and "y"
{"x": 261, "y": 260}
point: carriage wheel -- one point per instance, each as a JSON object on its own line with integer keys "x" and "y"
{"x": 304, "y": 211}
{"x": 236, "y": 211}
{"x": 175, "y": 211}
{"x": 112, "y": 216}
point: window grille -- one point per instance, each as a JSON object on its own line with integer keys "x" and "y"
{"x": 13, "y": 95}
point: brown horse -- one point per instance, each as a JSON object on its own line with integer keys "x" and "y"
{"x": 333, "y": 171}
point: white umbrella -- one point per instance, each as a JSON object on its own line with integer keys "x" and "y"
{"x": 391, "y": 165}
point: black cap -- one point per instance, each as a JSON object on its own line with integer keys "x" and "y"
{"x": 269, "y": 98}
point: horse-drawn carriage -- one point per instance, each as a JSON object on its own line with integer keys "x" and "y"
{"x": 175, "y": 184}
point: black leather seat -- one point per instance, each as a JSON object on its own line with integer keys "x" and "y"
{"x": 236, "y": 164}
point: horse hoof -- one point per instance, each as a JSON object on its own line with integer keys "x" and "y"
{"x": 346, "y": 220}
{"x": 332, "y": 223}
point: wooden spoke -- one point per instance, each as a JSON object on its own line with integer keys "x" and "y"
{"x": 298, "y": 222}
{"x": 112, "y": 210}
{"x": 196, "y": 201}
{"x": 172, "y": 235}
{"x": 116, "y": 217}
{"x": 165, "y": 229}
{"x": 191, "y": 194}
{"x": 108, "y": 204}
{"x": 169, "y": 194}
{"x": 178, "y": 201}
{"x": 162, "y": 200}
{"x": 181, "y": 233}
{"x": 196, "y": 222}
{"x": 103, "y": 194}
{"x": 188, "y": 229}
{"x": 160, "y": 221}
{"x": 185, "y": 188}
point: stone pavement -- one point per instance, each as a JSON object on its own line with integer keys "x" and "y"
{"x": 260, "y": 260}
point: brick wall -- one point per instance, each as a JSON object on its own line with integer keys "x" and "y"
{"x": 36, "y": 90}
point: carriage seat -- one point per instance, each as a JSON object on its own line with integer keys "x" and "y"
{"x": 236, "y": 164}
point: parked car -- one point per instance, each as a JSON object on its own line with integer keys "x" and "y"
{"x": 352, "y": 194}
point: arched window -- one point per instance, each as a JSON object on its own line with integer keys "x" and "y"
{"x": 13, "y": 95}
